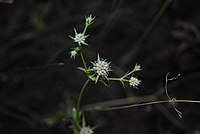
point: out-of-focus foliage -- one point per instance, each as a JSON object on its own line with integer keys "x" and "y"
{"x": 36, "y": 95}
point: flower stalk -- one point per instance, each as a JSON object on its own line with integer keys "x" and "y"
{"x": 81, "y": 93}
{"x": 97, "y": 72}
{"x": 83, "y": 60}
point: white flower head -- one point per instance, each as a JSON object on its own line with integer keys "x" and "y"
{"x": 137, "y": 67}
{"x": 79, "y": 38}
{"x": 86, "y": 130}
{"x": 101, "y": 67}
{"x": 73, "y": 54}
{"x": 89, "y": 20}
{"x": 134, "y": 82}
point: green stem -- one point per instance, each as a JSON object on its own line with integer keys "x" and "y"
{"x": 81, "y": 94}
{"x": 83, "y": 60}
{"x": 128, "y": 73}
{"x": 114, "y": 79}
{"x": 86, "y": 26}
{"x": 117, "y": 79}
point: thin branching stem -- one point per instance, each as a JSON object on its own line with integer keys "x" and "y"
{"x": 117, "y": 79}
{"x": 166, "y": 87}
{"x": 99, "y": 108}
{"x": 81, "y": 93}
{"x": 114, "y": 79}
{"x": 126, "y": 75}
{"x": 85, "y": 29}
{"x": 83, "y": 60}
{"x": 167, "y": 94}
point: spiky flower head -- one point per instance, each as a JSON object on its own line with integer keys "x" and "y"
{"x": 73, "y": 54}
{"x": 134, "y": 82}
{"x": 89, "y": 20}
{"x": 86, "y": 130}
{"x": 79, "y": 38}
{"x": 101, "y": 67}
{"x": 137, "y": 68}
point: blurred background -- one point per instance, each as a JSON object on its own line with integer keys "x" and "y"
{"x": 37, "y": 90}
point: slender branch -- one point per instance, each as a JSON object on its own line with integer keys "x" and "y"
{"x": 177, "y": 111}
{"x": 81, "y": 93}
{"x": 114, "y": 79}
{"x": 85, "y": 29}
{"x": 128, "y": 73}
{"x": 117, "y": 79}
{"x": 83, "y": 60}
{"x": 98, "y": 108}
{"x": 166, "y": 86}
{"x": 121, "y": 102}
{"x": 167, "y": 94}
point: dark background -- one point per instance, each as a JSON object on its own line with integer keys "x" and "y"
{"x": 36, "y": 94}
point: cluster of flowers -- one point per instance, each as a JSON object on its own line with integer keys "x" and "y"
{"x": 97, "y": 72}
{"x": 101, "y": 67}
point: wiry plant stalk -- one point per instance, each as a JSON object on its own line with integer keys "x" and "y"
{"x": 99, "y": 108}
{"x": 81, "y": 93}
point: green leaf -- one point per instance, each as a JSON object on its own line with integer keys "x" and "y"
{"x": 82, "y": 69}
{"x": 97, "y": 78}
{"x": 91, "y": 77}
